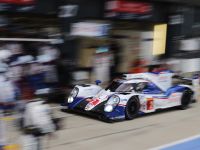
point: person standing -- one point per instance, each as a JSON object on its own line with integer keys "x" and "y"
{"x": 2, "y": 128}
{"x": 7, "y": 102}
{"x": 37, "y": 122}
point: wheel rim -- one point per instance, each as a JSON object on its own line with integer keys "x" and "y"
{"x": 132, "y": 108}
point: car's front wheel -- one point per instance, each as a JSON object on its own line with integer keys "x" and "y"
{"x": 132, "y": 108}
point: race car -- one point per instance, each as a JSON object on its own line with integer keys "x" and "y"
{"x": 131, "y": 95}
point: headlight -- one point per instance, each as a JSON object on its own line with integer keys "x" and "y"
{"x": 73, "y": 95}
{"x": 113, "y": 100}
{"x": 74, "y": 92}
{"x": 70, "y": 99}
{"x": 108, "y": 108}
{"x": 112, "y": 103}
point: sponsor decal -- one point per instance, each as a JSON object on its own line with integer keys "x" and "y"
{"x": 94, "y": 102}
{"x": 150, "y": 103}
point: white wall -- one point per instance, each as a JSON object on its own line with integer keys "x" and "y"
{"x": 190, "y": 65}
{"x": 185, "y": 65}
{"x": 146, "y": 45}
{"x": 190, "y": 44}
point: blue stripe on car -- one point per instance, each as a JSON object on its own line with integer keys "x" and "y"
{"x": 75, "y": 102}
{"x": 174, "y": 90}
{"x": 119, "y": 111}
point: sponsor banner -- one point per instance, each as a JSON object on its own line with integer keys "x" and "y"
{"x": 127, "y": 16}
{"x": 129, "y": 7}
{"x": 67, "y": 11}
{"x": 124, "y": 9}
{"x": 18, "y": 2}
{"x": 89, "y": 29}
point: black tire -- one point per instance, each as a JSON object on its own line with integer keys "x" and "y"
{"x": 186, "y": 99}
{"x": 132, "y": 108}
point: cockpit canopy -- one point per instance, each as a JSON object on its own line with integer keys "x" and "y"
{"x": 132, "y": 86}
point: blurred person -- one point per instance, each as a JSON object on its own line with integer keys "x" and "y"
{"x": 7, "y": 101}
{"x": 5, "y": 55}
{"x": 37, "y": 122}
{"x": 138, "y": 66}
{"x": 16, "y": 50}
{"x": 49, "y": 70}
{"x": 48, "y": 56}
{"x": 50, "y": 51}
{"x": 3, "y": 138}
{"x": 8, "y": 90}
{"x": 159, "y": 67}
{"x": 36, "y": 76}
{"x": 22, "y": 82}
{"x": 15, "y": 72}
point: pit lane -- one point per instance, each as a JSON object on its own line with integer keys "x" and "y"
{"x": 146, "y": 132}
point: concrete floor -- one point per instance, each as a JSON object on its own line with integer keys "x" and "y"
{"x": 83, "y": 133}
{"x": 142, "y": 133}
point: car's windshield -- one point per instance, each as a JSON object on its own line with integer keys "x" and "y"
{"x": 125, "y": 87}
{"x": 113, "y": 86}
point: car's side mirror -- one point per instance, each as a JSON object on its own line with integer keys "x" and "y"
{"x": 97, "y": 82}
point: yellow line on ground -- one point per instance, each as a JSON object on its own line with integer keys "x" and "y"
{"x": 7, "y": 118}
{"x": 12, "y": 147}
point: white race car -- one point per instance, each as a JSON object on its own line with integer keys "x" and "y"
{"x": 131, "y": 95}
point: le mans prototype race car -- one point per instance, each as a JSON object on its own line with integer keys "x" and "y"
{"x": 131, "y": 95}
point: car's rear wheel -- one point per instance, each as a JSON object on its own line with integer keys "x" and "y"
{"x": 132, "y": 108}
{"x": 186, "y": 99}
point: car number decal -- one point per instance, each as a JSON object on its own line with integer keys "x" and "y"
{"x": 94, "y": 102}
{"x": 150, "y": 104}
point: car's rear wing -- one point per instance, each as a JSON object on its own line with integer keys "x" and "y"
{"x": 188, "y": 81}
{"x": 194, "y": 83}
{"x": 182, "y": 80}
